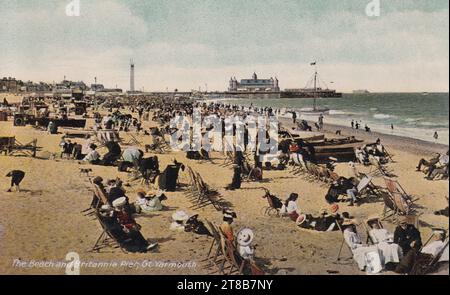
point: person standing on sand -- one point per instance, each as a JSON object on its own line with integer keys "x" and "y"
{"x": 16, "y": 178}
{"x": 353, "y": 124}
{"x": 294, "y": 117}
{"x": 436, "y": 136}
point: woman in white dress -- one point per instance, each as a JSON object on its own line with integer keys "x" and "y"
{"x": 359, "y": 250}
{"x": 384, "y": 240}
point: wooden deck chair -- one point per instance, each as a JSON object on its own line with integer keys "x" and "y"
{"x": 436, "y": 258}
{"x": 230, "y": 251}
{"x": 338, "y": 258}
{"x": 376, "y": 168}
{"x": 106, "y": 239}
{"x": 395, "y": 188}
{"x": 216, "y": 258}
{"x": 366, "y": 187}
{"x": 370, "y": 239}
{"x": 134, "y": 140}
{"x": 192, "y": 186}
{"x": 208, "y": 195}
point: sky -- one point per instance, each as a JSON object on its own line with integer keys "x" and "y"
{"x": 187, "y": 44}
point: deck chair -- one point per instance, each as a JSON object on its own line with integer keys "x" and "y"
{"x": 215, "y": 258}
{"x": 338, "y": 258}
{"x": 133, "y": 140}
{"x": 395, "y": 188}
{"x": 106, "y": 239}
{"x": 370, "y": 239}
{"x": 230, "y": 252}
{"x": 395, "y": 206}
{"x": 376, "y": 168}
{"x": 436, "y": 258}
{"x": 366, "y": 187}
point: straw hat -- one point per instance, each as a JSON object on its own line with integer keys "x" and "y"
{"x": 301, "y": 219}
{"x": 245, "y": 237}
{"x": 333, "y": 159}
{"x": 119, "y": 202}
{"x": 348, "y": 221}
{"x": 180, "y": 216}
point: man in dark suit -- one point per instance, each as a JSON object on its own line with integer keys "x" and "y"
{"x": 408, "y": 238}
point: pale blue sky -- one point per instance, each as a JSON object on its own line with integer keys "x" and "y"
{"x": 188, "y": 43}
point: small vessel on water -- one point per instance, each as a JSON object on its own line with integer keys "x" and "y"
{"x": 311, "y": 91}
{"x": 315, "y": 92}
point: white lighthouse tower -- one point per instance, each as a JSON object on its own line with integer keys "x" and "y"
{"x": 132, "y": 76}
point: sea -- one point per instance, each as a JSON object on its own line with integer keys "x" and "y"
{"x": 414, "y": 115}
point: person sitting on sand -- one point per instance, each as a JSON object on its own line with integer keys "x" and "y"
{"x": 324, "y": 222}
{"x": 16, "y": 178}
{"x": 150, "y": 202}
{"x": 290, "y": 207}
{"x": 225, "y": 227}
{"x": 93, "y": 157}
{"x": 196, "y": 226}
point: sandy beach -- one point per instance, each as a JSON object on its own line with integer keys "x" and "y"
{"x": 44, "y": 222}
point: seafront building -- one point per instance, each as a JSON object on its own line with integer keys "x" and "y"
{"x": 254, "y": 85}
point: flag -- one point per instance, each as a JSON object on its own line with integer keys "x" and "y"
{"x": 313, "y": 63}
